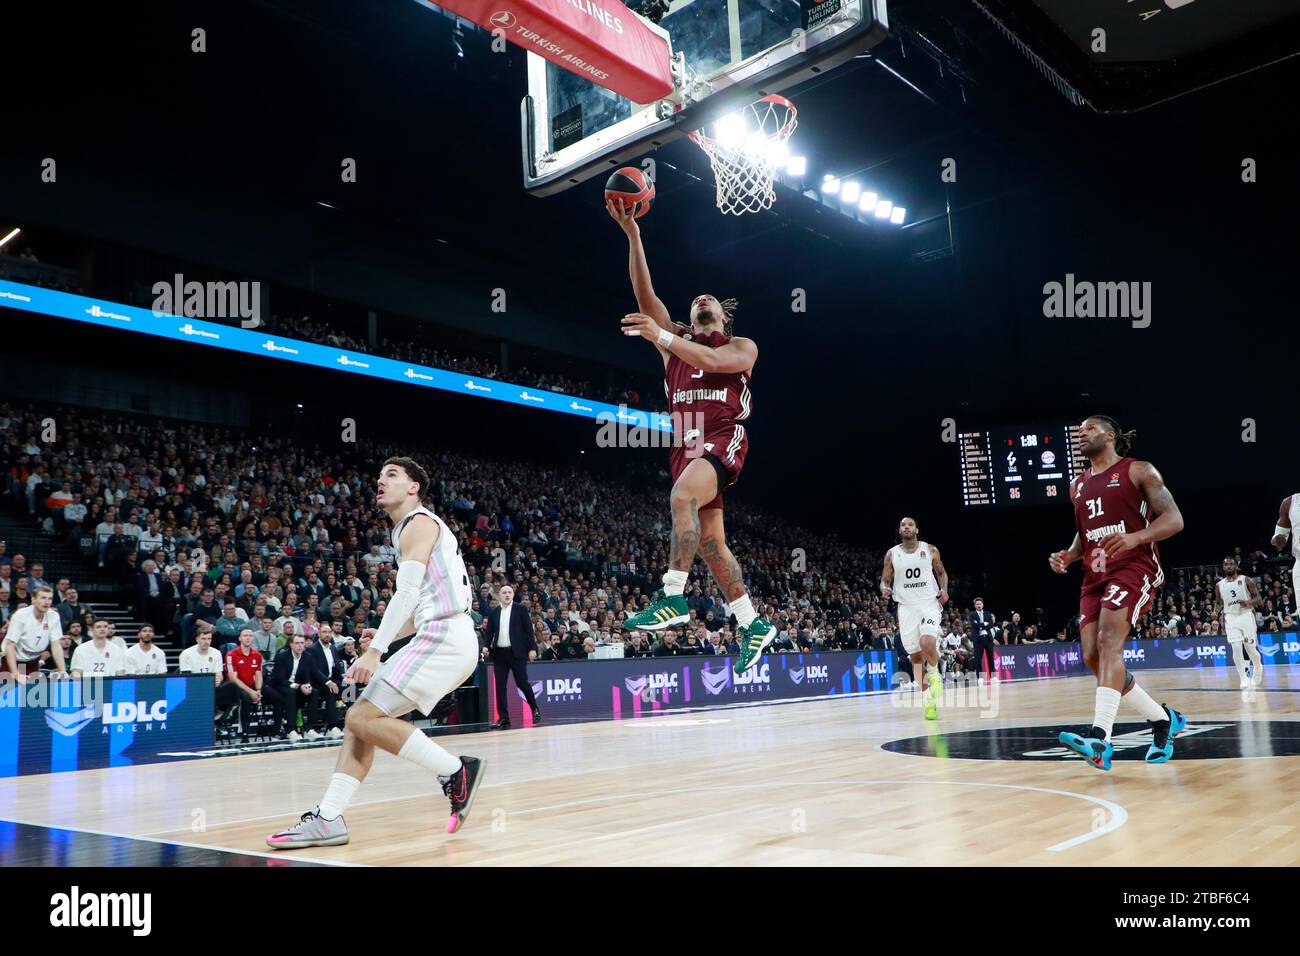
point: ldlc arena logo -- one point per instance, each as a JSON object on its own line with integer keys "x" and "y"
{"x": 120, "y": 716}
{"x": 753, "y": 681}
{"x": 563, "y": 688}
{"x": 647, "y": 685}
{"x": 127, "y": 717}
{"x": 813, "y": 673}
{"x": 870, "y": 669}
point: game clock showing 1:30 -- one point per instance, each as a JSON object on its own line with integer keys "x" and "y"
{"x": 1018, "y": 464}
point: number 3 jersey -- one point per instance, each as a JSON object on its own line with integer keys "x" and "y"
{"x": 1110, "y": 503}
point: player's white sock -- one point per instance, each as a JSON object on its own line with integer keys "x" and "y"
{"x": 423, "y": 752}
{"x": 1239, "y": 659}
{"x": 1256, "y": 662}
{"x": 338, "y": 795}
{"x": 674, "y": 582}
{"x": 743, "y": 609}
{"x": 1147, "y": 707}
{"x": 1106, "y": 707}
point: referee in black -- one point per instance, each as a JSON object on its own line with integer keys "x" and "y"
{"x": 509, "y": 641}
{"x": 982, "y": 631}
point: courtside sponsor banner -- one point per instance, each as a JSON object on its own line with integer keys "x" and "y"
{"x": 52, "y": 726}
{"x": 1282, "y": 647}
{"x": 1019, "y": 661}
{"x": 642, "y": 687}
{"x": 65, "y": 305}
{"x": 598, "y": 39}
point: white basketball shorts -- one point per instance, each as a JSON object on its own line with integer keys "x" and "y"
{"x": 433, "y": 663}
{"x": 1241, "y": 627}
{"x": 915, "y": 620}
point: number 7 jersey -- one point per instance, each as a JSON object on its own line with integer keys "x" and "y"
{"x": 1110, "y": 503}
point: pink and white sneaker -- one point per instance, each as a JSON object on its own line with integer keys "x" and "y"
{"x": 460, "y": 788}
{"x": 311, "y": 830}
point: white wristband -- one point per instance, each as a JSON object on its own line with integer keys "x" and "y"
{"x": 665, "y": 338}
{"x": 1281, "y": 532}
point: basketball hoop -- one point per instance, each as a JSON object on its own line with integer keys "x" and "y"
{"x": 746, "y": 150}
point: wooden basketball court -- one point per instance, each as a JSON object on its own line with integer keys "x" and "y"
{"x": 821, "y": 782}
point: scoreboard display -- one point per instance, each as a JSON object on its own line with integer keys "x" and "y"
{"x": 1018, "y": 464}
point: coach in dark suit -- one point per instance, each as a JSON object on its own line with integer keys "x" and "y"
{"x": 325, "y": 670}
{"x": 509, "y": 645}
{"x": 982, "y": 631}
{"x": 288, "y": 687}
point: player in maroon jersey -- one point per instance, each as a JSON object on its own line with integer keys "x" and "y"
{"x": 706, "y": 378}
{"x": 1121, "y": 509}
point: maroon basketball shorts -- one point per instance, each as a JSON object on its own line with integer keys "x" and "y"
{"x": 724, "y": 449}
{"x": 1131, "y": 588}
{"x": 27, "y": 667}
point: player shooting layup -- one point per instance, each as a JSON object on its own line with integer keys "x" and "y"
{"x": 1239, "y": 596}
{"x": 432, "y": 601}
{"x": 706, "y": 377}
{"x": 922, "y": 589}
{"x": 1114, "y": 501}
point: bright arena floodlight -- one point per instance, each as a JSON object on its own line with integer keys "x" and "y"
{"x": 896, "y": 217}
{"x": 830, "y": 185}
{"x": 15, "y": 232}
{"x": 852, "y": 190}
{"x": 868, "y": 202}
{"x": 731, "y": 130}
{"x": 778, "y": 152}
{"x": 798, "y": 166}
{"x": 884, "y": 209}
{"x": 756, "y": 144}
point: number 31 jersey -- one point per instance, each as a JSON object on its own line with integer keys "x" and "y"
{"x": 1110, "y": 503}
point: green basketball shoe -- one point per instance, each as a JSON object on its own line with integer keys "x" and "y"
{"x": 753, "y": 640}
{"x": 664, "y": 611}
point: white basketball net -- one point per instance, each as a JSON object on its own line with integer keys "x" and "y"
{"x": 745, "y": 152}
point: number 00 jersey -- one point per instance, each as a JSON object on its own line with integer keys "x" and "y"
{"x": 1110, "y": 503}
{"x": 445, "y": 592}
{"x": 914, "y": 581}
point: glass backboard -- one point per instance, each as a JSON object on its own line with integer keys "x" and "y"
{"x": 726, "y": 53}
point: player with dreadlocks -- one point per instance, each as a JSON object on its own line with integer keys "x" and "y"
{"x": 1121, "y": 509}
{"x": 706, "y": 377}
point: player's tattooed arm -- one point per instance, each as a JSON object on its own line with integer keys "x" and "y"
{"x": 940, "y": 574}
{"x": 1060, "y": 561}
{"x": 1283, "y": 524}
{"x": 887, "y": 577}
{"x": 1169, "y": 520}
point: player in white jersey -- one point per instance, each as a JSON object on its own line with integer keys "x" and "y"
{"x": 432, "y": 601}
{"x": 1239, "y": 597}
{"x": 98, "y": 657}
{"x": 145, "y": 657}
{"x": 1288, "y": 520}
{"x": 915, "y": 577}
{"x": 32, "y": 631}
